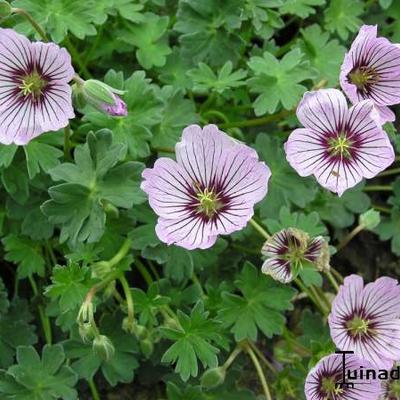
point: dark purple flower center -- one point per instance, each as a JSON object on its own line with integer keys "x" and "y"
{"x": 363, "y": 77}
{"x": 32, "y": 84}
{"x": 208, "y": 202}
{"x": 328, "y": 388}
{"x": 358, "y": 326}
{"x": 340, "y": 146}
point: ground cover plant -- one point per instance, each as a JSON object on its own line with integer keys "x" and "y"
{"x": 199, "y": 199}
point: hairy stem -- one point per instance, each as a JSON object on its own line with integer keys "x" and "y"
{"x": 256, "y": 121}
{"x": 259, "y": 370}
{"x": 311, "y": 296}
{"x": 378, "y": 188}
{"x": 262, "y": 357}
{"x": 42, "y": 315}
{"x": 260, "y": 229}
{"x": 350, "y": 236}
{"x": 93, "y": 389}
{"x": 129, "y": 300}
{"x": 32, "y": 21}
{"x": 332, "y": 280}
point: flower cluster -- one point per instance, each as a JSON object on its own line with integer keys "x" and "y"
{"x": 339, "y": 145}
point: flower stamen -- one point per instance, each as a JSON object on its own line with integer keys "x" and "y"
{"x": 32, "y": 84}
{"x": 340, "y": 146}
{"x": 363, "y": 77}
{"x": 209, "y": 202}
{"x": 358, "y": 326}
{"x": 330, "y": 389}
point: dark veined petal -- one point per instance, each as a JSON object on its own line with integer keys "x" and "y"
{"x": 330, "y": 368}
{"x": 25, "y": 116}
{"x": 377, "y": 304}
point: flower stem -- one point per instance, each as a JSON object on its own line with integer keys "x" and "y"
{"x": 236, "y": 351}
{"x": 256, "y": 121}
{"x": 93, "y": 389}
{"x": 383, "y": 209}
{"x": 378, "y": 188}
{"x": 388, "y": 172}
{"x": 337, "y": 274}
{"x": 262, "y": 357}
{"x": 43, "y": 317}
{"x": 129, "y": 300}
{"x": 122, "y": 252}
{"x": 311, "y": 296}
{"x": 77, "y": 58}
{"x": 349, "y": 237}
{"x": 332, "y": 280}
{"x": 259, "y": 229}
{"x": 143, "y": 271}
{"x": 320, "y": 295}
{"x": 259, "y": 370}
{"x": 32, "y": 21}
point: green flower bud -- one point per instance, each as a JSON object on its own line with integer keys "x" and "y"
{"x": 5, "y": 9}
{"x": 370, "y": 219}
{"x": 213, "y": 377}
{"x": 87, "y": 332}
{"x": 103, "y": 347}
{"x": 85, "y": 314}
{"x": 100, "y": 96}
{"x": 147, "y": 347}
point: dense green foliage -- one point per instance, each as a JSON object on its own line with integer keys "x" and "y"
{"x": 77, "y": 231}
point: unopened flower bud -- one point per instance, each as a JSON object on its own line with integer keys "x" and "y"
{"x": 147, "y": 347}
{"x": 103, "y": 347}
{"x": 85, "y": 314}
{"x": 100, "y": 96}
{"x": 370, "y": 219}
{"x": 5, "y": 9}
{"x": 213, "y": 377}
{"x": 86, "y": 332}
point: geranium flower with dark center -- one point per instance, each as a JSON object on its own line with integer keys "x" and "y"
{"x": 322, "y": 382}
{"x": 209, "y": 190}
{"x": 288, "y": 250}
{"x": 35, "y": 96}
{"x": 371, "y": 70}
{"x": 339, "y": 146}
{"x": 366, "y": 320}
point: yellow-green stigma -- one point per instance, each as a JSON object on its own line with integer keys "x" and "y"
{"x": 330, "y": 389}
{"x": 340, "y": 146}
{"x": 362, "y": 77}
{"x": 32, "y": 84}
{"x": 209, "y": 203}
{"x": 358, "y": 326}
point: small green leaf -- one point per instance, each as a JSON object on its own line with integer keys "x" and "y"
{"x": 26, "y": 254}
{"x": 193, "y": 340}
{"x": 70, "y": 284}
{"x": 259, "y": 305}
{"x": 44, "y": 378}
{"x": 149, "y": 37}
{"x": 342, "y": 17}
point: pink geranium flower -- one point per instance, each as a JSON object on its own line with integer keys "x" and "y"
{"x": 209, "y": 190}
{"x": 366, "y": 320}
{"x": 322, "y": 382}
{"x": 35, "y": 96}
{"x": 371, "y": 70}
{"x": 338, "y": 145}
